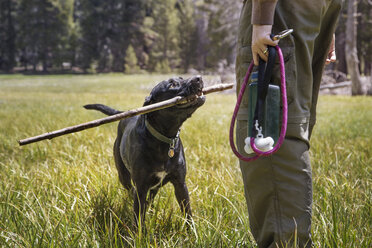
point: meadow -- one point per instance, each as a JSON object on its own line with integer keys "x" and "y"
{"x": 65, "y": 192}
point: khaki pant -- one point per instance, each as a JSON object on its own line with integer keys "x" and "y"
{"x": 278, "y": 188}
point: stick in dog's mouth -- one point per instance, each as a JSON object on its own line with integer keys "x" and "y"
{"x": 190, "y": 100}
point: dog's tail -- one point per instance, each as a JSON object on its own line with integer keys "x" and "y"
{"x": 103, "y": 108}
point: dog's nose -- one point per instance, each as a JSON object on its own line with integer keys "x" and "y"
{"x": 193, "y": 85}
{"x": 196, "y": 85}
{"x": 196, "y": 80}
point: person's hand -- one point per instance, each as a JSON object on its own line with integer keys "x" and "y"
{"x": 331, "y": 57}
{"x": 260, "y": 40}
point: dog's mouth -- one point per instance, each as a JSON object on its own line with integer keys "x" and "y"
{"x": 192, "y": 100}
{"x": 193, "y": 90}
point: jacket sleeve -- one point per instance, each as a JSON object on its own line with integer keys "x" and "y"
{"x": 263, "y": 11}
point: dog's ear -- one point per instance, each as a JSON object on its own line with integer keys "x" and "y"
{"x": 148, "y": 100}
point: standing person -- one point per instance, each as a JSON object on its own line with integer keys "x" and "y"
{"x": 278, "y": 188}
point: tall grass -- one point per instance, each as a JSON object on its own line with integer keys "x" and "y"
{"x": 66, "y": 193}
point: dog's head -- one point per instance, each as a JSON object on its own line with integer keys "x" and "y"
{"x": 178, "y": 87}
{"x": 173, "y": 87}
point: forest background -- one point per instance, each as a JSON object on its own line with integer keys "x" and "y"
{"x": 140, "y": 36}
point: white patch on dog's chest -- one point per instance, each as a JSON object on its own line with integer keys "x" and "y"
{"x": 161, "y": 175}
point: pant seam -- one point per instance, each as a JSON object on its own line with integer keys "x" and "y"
{"x": 276, "y": 204}
{"x": 248, "y": 195}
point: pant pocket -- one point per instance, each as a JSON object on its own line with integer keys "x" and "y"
{"x": 290, "y": 72}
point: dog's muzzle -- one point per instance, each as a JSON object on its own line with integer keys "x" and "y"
{"x": 193, "y": 90}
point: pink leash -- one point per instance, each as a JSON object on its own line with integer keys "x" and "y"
{"x": 283, "y": 129}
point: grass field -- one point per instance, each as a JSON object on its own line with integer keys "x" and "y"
{"x": 66, "y": 193}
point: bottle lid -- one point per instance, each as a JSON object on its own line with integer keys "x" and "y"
{"x": 254, "y": 75}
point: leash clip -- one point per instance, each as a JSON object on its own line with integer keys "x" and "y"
{"x": 282, "y": 34}
{"x": 259, "y": 130}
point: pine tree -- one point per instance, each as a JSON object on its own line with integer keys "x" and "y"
{"x": 364, "y": 38}
{"x": 352, "y": 60}
{"x": 107, "y": 28}
{"x": 187, "y": 34}
{"x": 163, "y": 66}
{"x": 7, "y": 35}
{"x": 68, "y": 45}
{"x": 216, "y": 25}
{"x": 222, "y": 31}
{"x": 131, "y": 62}
{"x": 42, "y": 29}
{"x": 164, "y": 52}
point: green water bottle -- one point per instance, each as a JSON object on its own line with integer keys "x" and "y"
{"x": 271, "y": 124}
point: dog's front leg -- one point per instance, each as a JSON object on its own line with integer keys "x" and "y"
{"x": 183, "y": 199}
{"x": 139, "y": 205}
{"x": 152, "y": 195}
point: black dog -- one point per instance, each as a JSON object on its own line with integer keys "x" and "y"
{"x": 148, "y": 151}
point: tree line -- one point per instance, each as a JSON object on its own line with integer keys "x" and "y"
{"x": 117, "y": 35}
{"x": 139, "y": 35}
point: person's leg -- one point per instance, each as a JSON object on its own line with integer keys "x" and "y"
{"x": 278, "y": 189}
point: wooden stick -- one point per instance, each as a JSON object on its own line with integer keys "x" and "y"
{"x": 336, "y": 85}
{"x": 130, "y": 113}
